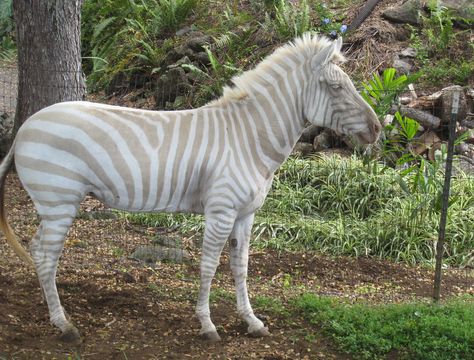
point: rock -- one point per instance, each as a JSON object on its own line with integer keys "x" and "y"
{"x": 309, "y": 133}
{"x": 167, "y": 241}
{"x": 303, "y": 149}
{"x": 153, "y": 253}
{"x": 408, "y": 12}
{"x": 470, "y": 100}
{"x": 462, "y": 10}
{"x": 464, "y": 163}
{"x": 468, "y": 122}
{"x": 184, "y": 31}
{"x": 198, "y": 43}
{"x": 462, "y": 149}
{"x": 409, "y": 52}
{"x": 202, "y": 58}
{"x": 447, "y": 103}
{"x": 323, "y": 141}
{"x": 402, "y": 65}
{"x": 173, "y": 83}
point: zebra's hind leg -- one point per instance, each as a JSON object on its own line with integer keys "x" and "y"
{"x": 239, "y": 256}
{"x": 46, "y": 249}
{"x": 218, "y": 229}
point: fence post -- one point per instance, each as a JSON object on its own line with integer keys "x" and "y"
{"x": 445, "y": 198}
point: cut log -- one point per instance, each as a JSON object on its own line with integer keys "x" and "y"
{"x": 447, "y": 103}
{"x": 429, "y": 102}
{"x": 425, "y": 119}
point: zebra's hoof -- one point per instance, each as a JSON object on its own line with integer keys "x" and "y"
{"x": 262, "y": 332}
{"x": 211, "y": 336}
{"x": 71, "y": 336}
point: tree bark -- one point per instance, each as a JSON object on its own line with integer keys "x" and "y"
{"x": 49, "y": 54}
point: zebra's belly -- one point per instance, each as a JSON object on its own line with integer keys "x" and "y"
{"x": 170, "y": 202}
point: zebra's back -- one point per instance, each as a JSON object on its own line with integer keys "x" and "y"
{"x": 131, "y": 159}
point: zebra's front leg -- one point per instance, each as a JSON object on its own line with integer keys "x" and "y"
{"x": 46, "y": 248}
{"x": 218, "y": 229}
{"x": 239, "y": 256}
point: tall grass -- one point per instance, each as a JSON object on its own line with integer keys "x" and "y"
{"x": 343, "y": 206}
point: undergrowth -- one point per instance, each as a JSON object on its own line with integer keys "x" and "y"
{"x": 346, "y": 207}
{"x": 403, "y": 331}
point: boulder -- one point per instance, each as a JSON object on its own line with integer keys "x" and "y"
{"x": 173, "y": 83}
{"x": 408, "y": 12}
{"x": 153, "y": 253}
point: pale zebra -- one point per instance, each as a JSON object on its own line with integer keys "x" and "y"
{"x": 217, "y": 160}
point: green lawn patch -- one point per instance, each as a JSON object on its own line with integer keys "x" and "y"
{"x": 410, "y": 331}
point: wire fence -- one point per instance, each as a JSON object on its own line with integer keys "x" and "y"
{"x": 177, "y": 91}
{"x": 8, "y": 88}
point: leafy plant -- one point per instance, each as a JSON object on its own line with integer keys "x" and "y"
{"x": 381, "y": 92}
{"x": 125, "y": 35}
{"x": 436, "y": 41}
{"x": 291, "y": 19}
{"x": 7, "y": 27}
{"x": 172, "y": 13}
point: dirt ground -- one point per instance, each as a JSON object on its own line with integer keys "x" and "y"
{"x": 127, "y": 310}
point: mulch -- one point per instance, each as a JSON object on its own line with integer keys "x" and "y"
{"x": 125, "y": 309}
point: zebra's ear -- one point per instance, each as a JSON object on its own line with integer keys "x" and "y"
{"x": 325, "y": 55}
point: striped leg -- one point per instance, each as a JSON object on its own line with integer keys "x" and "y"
{"x": 239, "y": 256}
{"x": 46, "y": 248}
{"x": 218, "y": 229}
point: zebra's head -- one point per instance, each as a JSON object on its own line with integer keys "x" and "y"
{"x": 332, "y": 101}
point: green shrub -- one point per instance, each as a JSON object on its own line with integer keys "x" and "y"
{"x": 409, "y": 331}
{"x": 127, "y": 36}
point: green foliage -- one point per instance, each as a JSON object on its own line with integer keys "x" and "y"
{"x": 435, "y": 42}
{"x": 7, "y": 29}
{"x": 270, "y": 304}
{"x": 381, "y": 92}
{"x": 125, "y": 35}
{"x": 348, "y": 207}
{"x": 291, "y": 19}
{"x": 170, "y": 14}
{"x": 411, "y": 331}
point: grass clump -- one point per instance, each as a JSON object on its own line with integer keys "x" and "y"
{"x": 343, "y": 206}
{"x": 409, "y": 331}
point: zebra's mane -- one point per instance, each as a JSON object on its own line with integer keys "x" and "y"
{"x": 304, "y": 48}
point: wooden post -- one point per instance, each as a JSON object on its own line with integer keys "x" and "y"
{"x": 445, "y": 198}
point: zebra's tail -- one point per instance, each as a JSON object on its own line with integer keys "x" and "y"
{"x": 4, "y": 226}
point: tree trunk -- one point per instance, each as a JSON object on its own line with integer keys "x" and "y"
{"x": 49, "y": 54}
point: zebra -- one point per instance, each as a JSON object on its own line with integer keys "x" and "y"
{"x": 217, "y": 160}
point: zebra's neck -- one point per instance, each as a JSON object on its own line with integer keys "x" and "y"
{"x": 270, "y": 122}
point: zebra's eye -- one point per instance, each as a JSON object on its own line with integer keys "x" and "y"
{"x": 336, "y": 86}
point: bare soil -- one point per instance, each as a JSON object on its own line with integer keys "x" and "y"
{"x": 127, "y": 310}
